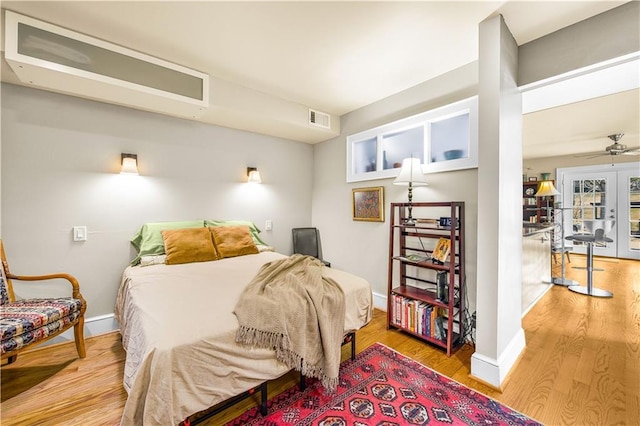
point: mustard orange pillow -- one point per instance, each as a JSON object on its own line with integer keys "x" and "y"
{"x": 188, "y": 245}
{"x": 148, "y": 240}
{"x": 231, "y": 241}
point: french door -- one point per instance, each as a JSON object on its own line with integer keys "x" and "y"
{"x": 610, "y": 194}
{"x": 629, "y": 205}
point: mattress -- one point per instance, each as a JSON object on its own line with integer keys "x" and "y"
{"x": 178, "y": 331}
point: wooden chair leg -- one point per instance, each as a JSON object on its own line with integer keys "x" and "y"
{"x": 78, "y": 334}
{"x": 568, "y": 257}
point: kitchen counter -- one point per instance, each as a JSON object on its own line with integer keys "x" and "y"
{"x": 530, "y": 229}
{"x": 536, "y": 262}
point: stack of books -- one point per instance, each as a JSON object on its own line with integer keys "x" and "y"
{"x": 419, "y": 317}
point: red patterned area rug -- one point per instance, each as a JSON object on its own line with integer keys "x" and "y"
{"x": 382, "y": 387}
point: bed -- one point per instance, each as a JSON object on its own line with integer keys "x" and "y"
{"x": 178, "y": 330}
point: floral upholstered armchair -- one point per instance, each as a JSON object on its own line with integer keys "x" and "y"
{"x": 27, "y": 322}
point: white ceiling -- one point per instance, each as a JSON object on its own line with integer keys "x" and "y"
{"x": 337, "y": 56}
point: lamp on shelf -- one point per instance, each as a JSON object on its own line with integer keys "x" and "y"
{"x": 411, "y": 175}
{"x": 253, "y": 175}
{"x": 546, "y": 189}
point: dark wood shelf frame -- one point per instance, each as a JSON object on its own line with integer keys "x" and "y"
{"x": 402, "y": 282}
{"x": 538, "y": 207}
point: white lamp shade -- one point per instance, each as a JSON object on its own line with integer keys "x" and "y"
{"x": 129, "y": 164}
{"x": 546, "y": 189}
{"x": 411, "y": 172}
{"x": 254, "y": 177}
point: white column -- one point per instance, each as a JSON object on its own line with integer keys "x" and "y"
{"x": 499, "y": 335}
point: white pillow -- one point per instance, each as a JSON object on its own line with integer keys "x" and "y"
{"x": 152, "y": 259}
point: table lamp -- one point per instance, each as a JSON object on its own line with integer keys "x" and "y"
{"x": 411, "y": 174}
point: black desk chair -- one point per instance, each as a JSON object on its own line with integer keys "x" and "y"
{"x": 307, "y": 241}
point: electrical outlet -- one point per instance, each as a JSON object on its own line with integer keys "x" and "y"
{"x": 268, "y": 225}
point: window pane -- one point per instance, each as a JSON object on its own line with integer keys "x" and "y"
{"x": 400, "y": 145}
{"x": 589, "y": 199}
{"x": 365, "y": 155}
{"x": 450, "y": 138}
{"x": 634, "y": 191}
{"x": 577, "y": 213}
{"x": 577, "y": 200}
{"x": 576, "y": 187}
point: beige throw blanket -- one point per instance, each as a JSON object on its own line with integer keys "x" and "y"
{"x": 290, "y": 307}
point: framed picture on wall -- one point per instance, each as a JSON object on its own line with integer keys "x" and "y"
{"x": 368, "y": 204}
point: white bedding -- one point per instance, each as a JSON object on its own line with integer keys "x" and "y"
{"x": 178, "y": 329}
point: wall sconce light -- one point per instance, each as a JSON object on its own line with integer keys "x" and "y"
{"x": 253, "y": 175}
{"x": 129, "y": 164}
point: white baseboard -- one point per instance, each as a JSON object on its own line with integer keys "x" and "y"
{"x": 380, "y": 301}
{"x": 93, "y": 326}
{"x": 537, "y": 299}
{"x": 494, "y": 371}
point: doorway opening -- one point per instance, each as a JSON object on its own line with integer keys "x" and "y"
{"x": 608, "y": 195}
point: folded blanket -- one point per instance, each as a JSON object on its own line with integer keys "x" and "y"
{"x": 290, "y": 307}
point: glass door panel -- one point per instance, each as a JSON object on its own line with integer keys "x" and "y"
{"x": 592, "y": 197}
{"x": 629, "y": 226}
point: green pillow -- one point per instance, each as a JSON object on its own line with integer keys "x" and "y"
{"x": 148, "y": 240}
{"x": 255, "y": 232}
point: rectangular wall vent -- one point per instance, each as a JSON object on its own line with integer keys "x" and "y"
{"x": 320, "y": 119}
{"x": 54, "y": 58}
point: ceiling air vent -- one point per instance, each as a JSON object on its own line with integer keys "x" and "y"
{"x": 57, "y": 59}
{"x": 320, "y": 119}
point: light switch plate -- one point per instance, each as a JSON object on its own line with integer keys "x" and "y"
{"x": 79, "y": 233}
{"x": 268, "y": 225}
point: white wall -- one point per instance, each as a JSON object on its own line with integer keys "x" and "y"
{"x": 60, "y": 158}
{"x": 362, "y": 248}
{"x": 600, "y": 38}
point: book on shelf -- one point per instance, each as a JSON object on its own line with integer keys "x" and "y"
{"x": 419, "y": 317}
{"x": 441, "y": 251}
{"x": 442, "y": 286}
{"x": 428, "y": 221}
{"x": 439, "y": 332}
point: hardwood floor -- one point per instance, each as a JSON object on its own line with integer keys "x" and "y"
{"x": 581, "y": 365}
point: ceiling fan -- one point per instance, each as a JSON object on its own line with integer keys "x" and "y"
{"x": 616, "y": 148}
